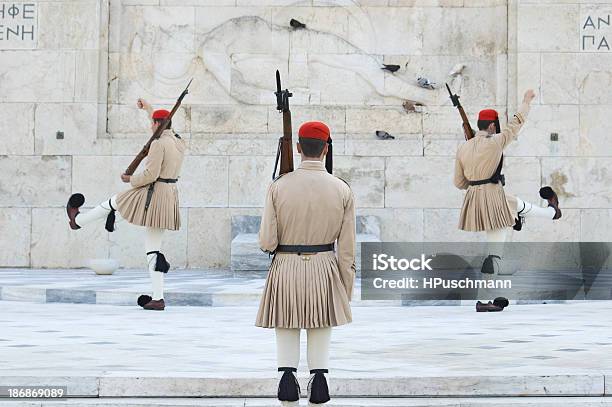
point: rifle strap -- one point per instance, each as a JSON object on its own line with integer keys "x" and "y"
{"x": 151, "y": 189}
{"x": 496, "y": 178}
{"x": 278, "y": 153}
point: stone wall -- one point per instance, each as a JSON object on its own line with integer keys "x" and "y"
{"x": 88, "y": 61}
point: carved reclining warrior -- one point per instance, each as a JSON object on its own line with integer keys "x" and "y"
{"x": 152, "y": 202}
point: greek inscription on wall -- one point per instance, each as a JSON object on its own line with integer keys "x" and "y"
{"x": 596, "y": 29}
{"x": 18, "y": 25}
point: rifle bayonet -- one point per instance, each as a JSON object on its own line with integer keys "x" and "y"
{"x": 467, "y": 129}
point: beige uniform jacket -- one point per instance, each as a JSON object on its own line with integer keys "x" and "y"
{"x": 308, "y": 207}
{"x": 486, "y": 207}
{"x": 165, "y": 160}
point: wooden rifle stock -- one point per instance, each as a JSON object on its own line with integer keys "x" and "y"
{"x": 284, "y": 153}
{"x": 131, "y": 169}
{"x": 467, "y": 129}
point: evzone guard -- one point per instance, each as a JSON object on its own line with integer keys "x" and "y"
{"x": 486, "y": 207}
{"x": 308, "y": 223}
{"x": 152, "y": 202}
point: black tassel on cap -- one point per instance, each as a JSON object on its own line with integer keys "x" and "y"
{"x": 288, "y": 387}
{"x": 110, "y": 219}
{"x": 329, "y": 158}
{"x": 319, "y": 392}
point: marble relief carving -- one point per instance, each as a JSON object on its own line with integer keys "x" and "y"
{"x": 232, "y": 60}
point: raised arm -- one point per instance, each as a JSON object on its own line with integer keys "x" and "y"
{"x": 510, "y": 133}
{"x": 143, "y": 104}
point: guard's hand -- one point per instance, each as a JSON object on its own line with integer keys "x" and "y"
{"x": 529, "y": 96}
{"x": 141, "y": 103}
{"x": 125, "y": 178}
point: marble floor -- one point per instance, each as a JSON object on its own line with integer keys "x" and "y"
{"x": 336, "y": 402}
{"x": 84, "y": 339}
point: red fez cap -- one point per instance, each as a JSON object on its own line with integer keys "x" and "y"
{"x": 160, "y": 114}
{"x": 488, "y": 114}
{"x": 316, "y": 130}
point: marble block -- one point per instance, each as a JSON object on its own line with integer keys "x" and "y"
{"x": 246, "y": 254}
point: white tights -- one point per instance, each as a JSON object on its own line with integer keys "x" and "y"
{"x": 529, "y": 210}
{"x": 288, "y": 347}
{"x": 153, "y": 240}
{"x": 99, "y": 212}
{"x": 525, "y": 210}
{"x": 497, "y": 237}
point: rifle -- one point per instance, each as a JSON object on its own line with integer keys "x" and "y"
{"x": 131, "y": 169}
{"x": 284, "y": 153}
{"x": 467, "y": 129}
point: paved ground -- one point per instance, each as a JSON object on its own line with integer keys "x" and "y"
{"x": 339, "y": 402}
{"x": 182, "y": 287}
{"x": 48, "y": 339}
{"x": 202, "y": 288}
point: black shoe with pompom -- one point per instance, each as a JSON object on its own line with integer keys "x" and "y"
{"x": 553, "y": 200}
{"x": 288, "y": 387}
{"x": 72, "y": 209}
{"x": 144, "y": 300}
{"x": 317, "y": 387}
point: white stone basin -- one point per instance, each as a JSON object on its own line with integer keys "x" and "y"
{"x": 104, "y": 267}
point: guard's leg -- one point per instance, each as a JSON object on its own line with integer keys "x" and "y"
{"x": 529, "y": 210}
{"x": 102, "y": 211}
{"x": 318, "y": 362}
{"x": 491, "y": 267}
{"x": 158, "y": 266}
{"x": 288, "y": 358}
{"x": 495, "y": 246}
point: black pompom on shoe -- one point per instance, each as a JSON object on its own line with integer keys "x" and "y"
{"x": 288, "y": 387}
{"x": 76, "y": 200}
{"x": 144, "y": 300}
{"x": 501, "y": 302}
{"x": 317, "y": 388}
{"x": 547, "y": 192}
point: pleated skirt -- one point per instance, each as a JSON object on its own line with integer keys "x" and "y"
{"x": 304, "y": 293}
{"x": 163, "y": 210}
{"x": 486, "y": 207}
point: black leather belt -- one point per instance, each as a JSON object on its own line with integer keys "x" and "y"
{"x": 497, "y": 177}
{"x": 299, "y": 249}
{"x": 152, "y": 187}
{"x": 492, "y": 180}
{"x": 167, "y": 180}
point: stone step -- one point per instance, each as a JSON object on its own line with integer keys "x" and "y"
{"x": 181, "y": 386}
{"x": 335, "y": 402}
